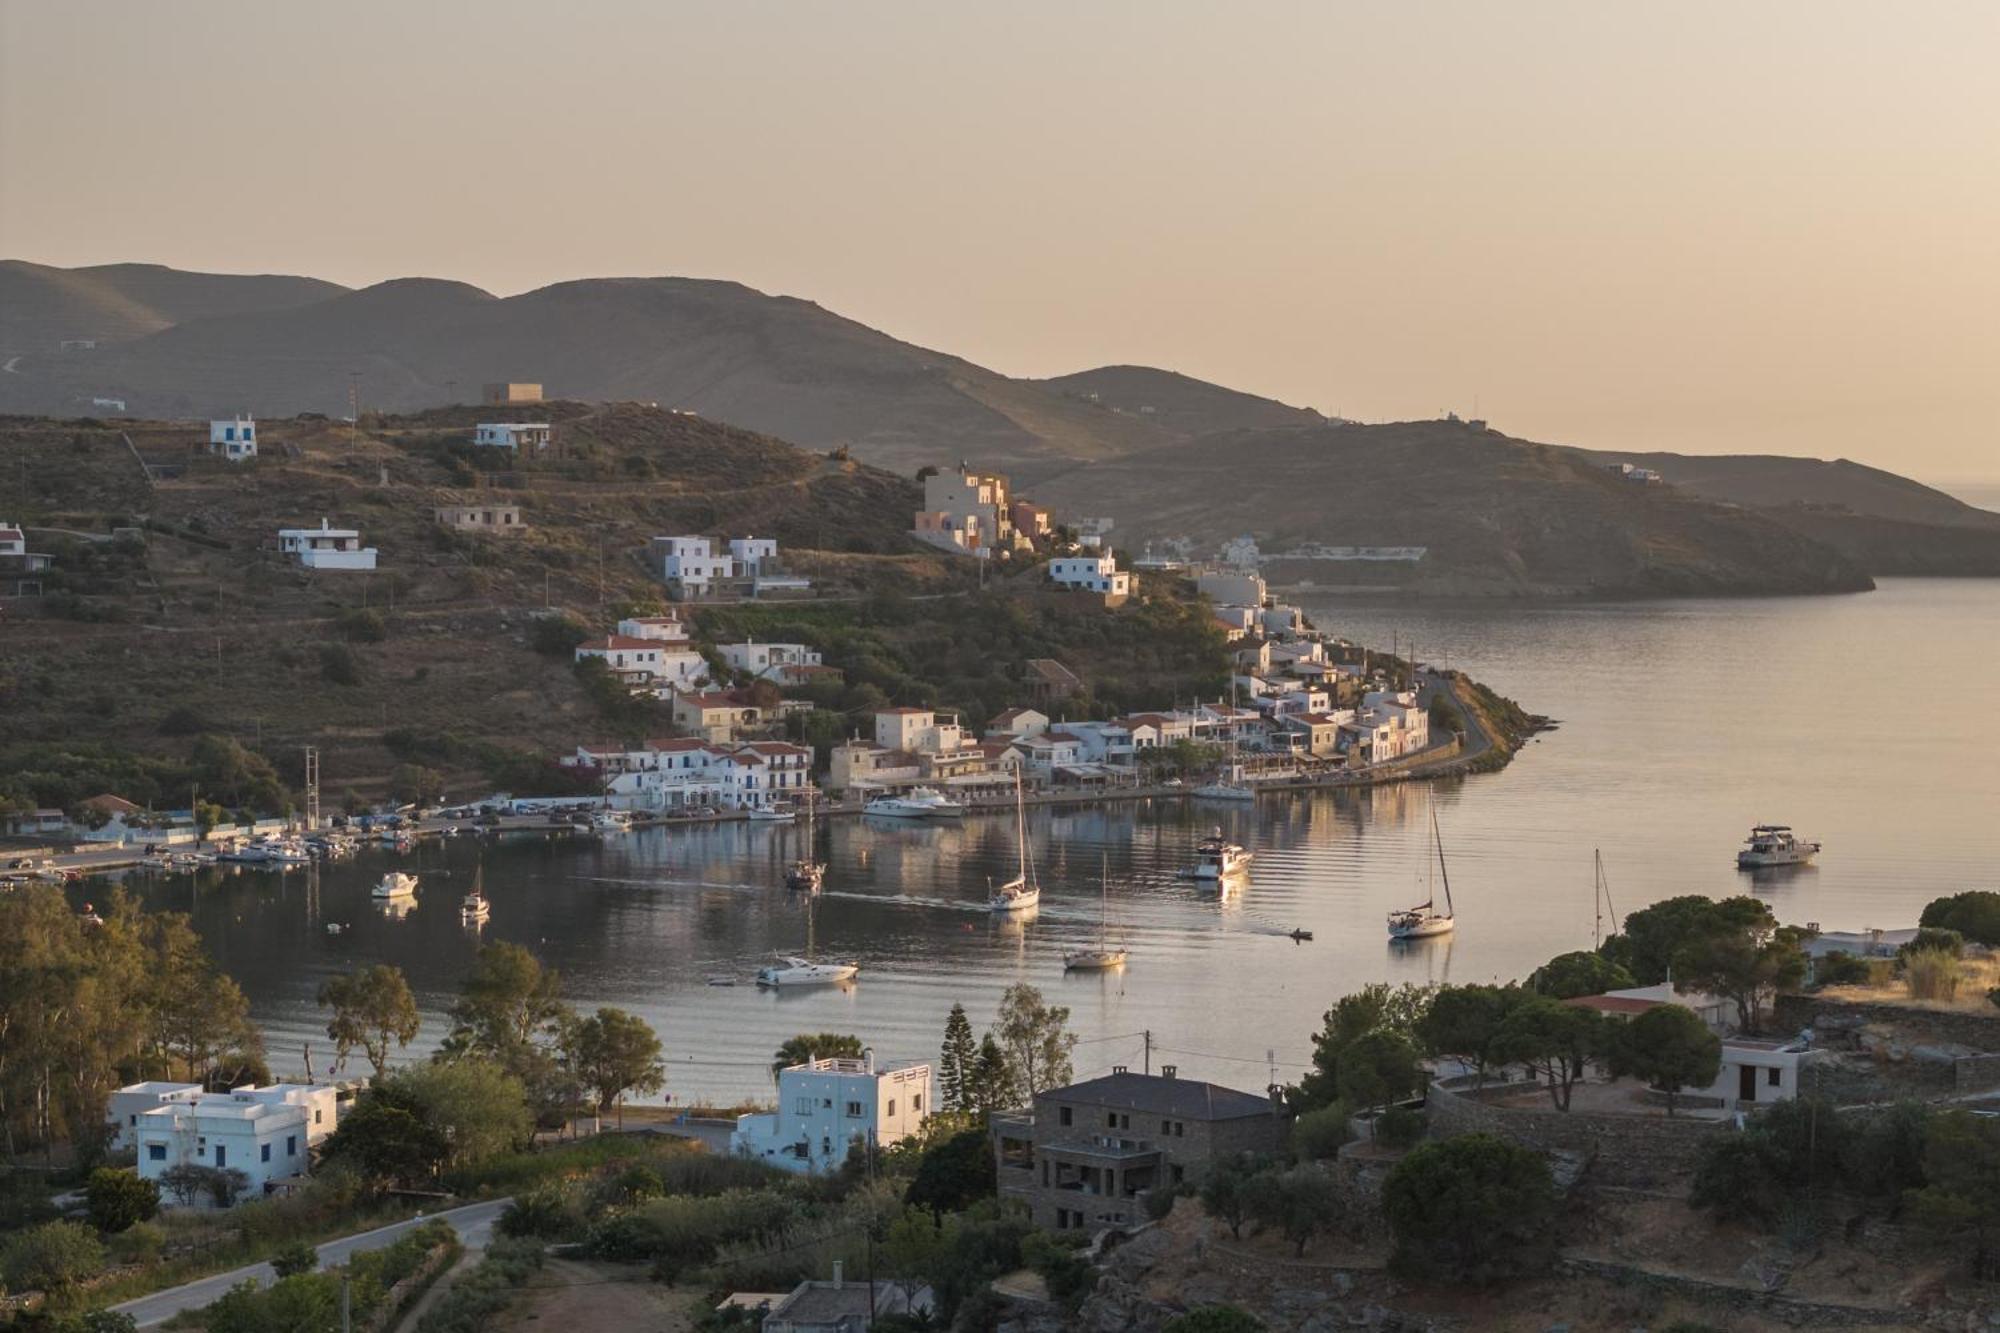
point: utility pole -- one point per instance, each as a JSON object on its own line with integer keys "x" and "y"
{"x": 346, "y": 1306}
{"x": 1148, "y": 1066}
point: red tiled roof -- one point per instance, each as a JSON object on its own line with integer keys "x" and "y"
{"x": 617, "y": 642}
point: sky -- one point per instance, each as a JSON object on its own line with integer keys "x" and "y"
{"x": 1704, "y": 227}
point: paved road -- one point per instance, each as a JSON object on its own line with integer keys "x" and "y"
{"x": 474, "y": 1223}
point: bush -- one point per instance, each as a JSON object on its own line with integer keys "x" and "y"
{"x": 1932, "y": 974}
{"x": 1841, "y": 969}
{"x": 547, "y": 1214}
{"x": 362, "y": 624}
{"x": 474, "y": 1299}
{"x": 1160, "y": 1202}
{"x": 557, "y": 635}
{"x": 51, "y": 1258}
{"x": 120, "y": 1199}
{"x": 1214, "y": 1319}
{"x": 955, "y": 1173}
{"x": 1974, "y": 914}
{"x": 1928, "y": 938}
{"x": 338, "y": 665}
{"x": 1399, "y": 1127}
{"x": 1472, "y": 1209}
{"x": 294, "y": 1257}
{"x": 1068, "y": 1275}
{"x": 1318, "y": 1135}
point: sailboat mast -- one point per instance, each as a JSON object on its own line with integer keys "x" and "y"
{"x": 1597, "y": 898}
{"x": 1021, "y": 824}
{"x": 1444, "y": 871}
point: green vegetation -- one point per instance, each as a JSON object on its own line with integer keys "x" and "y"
{"x": 1974, "y": 914}
{"x": 51, "y": 1258}
{"x": 957, "y": 1061}
{"x": 1464, "y": 1023}
{"x": 476, "y": 1298}
{"x": 1214, "y": 1319}
{"x": 1733, "y": 948}
{"x": 1581, "y": 973}
{"x": 612, "y": 1053}
{"x": 371, "y": 1008}
{"x": 1298, "y": 1203}
{"x": 1669, "y": 1047}
{"x": 1371, "y": 1009}
{"x": 306, "y": 1301}
{"x": 1472, "y": 1209}
{"x": 1035, "y": 1037}
{"x": 1556, "y": 1042}
{"x": 120, "y": 1200}
{"x": 814, "y": 1046}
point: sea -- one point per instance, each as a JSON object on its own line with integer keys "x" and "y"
{"x": 1870, "y": 722}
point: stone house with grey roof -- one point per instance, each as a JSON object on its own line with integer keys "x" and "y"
{"x": 1085, "y": 1156}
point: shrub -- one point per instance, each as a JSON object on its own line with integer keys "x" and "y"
{"x": 338, "y": 665}
{"x": 1298, "y": 1204}
{"x": 473, "y": 1300}
{"x": 1928, "y": 938}
{"x": 953, "y": 1174}
{"x": 294, "y": 1257}
{"x": 1399, "y": 1127}
{"x": 1737, "y": 1175}
{"x": 1160, "y": 1202}
{"x": 1932, "y": 974}
{"x": 52, "y": 1257}
{"x": 1472, "y": 1209}
{"x": 362, "y": 624}
{"x": 547, "y": 1213}
{"x": 1215, "y": 1319}
{"x": 1974, "y": 914}
{"x": 557, "y": 635}
{"x": 120, "y": 1199}
{"x": 1841, "y": 969}
{"x": 1067, "y": 1274}
{"x": 1318, "y": 1135}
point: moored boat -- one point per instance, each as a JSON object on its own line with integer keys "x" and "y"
{"x": 1774, "y": 845}
{"x": 1218, "y": 858}
{"x": 1424, "y": 920}
{"x": 918, "y": 803}
{"x": 790, "y": 971}
{"x": 396, "y": 884}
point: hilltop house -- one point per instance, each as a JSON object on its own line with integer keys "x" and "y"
{"x": 1018, "y": 722}
{"x": 1086, "y": 1155}
{"x": 505, "y": 519}
{"x": 645, "y": 663}
{"x": 783, "y": 662}
{"x": 515, "y": 435}
{"x": 972, "y": 513}
{"x": 827, "y": 1106}
{"x": 326, "y": 547}
{"x": 841, "y": 1306}
{"x": 689, "y": 566}
{"x": 1097, "y": 573}
{"x": 234, "y": 439}
{"x": 669, "y": 628}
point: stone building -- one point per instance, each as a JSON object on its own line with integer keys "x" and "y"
{"x": 1085, "y": 1156}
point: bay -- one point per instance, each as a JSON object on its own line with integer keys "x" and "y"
{"x": 1871, "y": 722}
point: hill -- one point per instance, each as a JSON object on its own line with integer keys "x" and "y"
{"x": 447, "y": 654}
{"x": 1499, "y": 516}
{"x": 41, "y": 306}
{"x": 1179, "y": 403}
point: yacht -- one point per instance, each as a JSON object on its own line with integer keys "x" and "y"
{"x": 1424, "y": 920}
{"x": 1104, "y": 957}
{"x": 1225, "y": 791}
{"x": 919, "y": 803}
{"x": 808, "y": 873}
{"x": 1774, "y": 845}
{"x": 789, "y": 971}
{"x": 396, "y": 884}
{"x": 1021, "y": 893}
{"x": 1218, "y": 858}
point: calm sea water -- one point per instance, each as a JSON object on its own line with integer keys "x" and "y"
{"x": 1872, "y": 722}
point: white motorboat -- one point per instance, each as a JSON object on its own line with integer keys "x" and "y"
{"x": 918, "y": 803}
{"x": 611, "y": 821}
{"x": 1020, "y": 893}
{"x": 1774, "y": 845}
{"x": 1225, "y": 791}
{"x": 1424, "y": 920}
{"x": 790, "y": 971}
{"x": 1215, "y": 857}
{"x": 396, "y": 884}
{"x": 1104, "y": 957}
{"x": 765, "y": 814}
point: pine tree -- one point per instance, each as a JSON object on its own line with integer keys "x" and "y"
{"x": 957, "y": 1061}
{"x": 991, "y": 1085}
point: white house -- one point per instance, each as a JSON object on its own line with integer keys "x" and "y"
{"x": 124, "y": 1107}
{"x": 1098, "y": 573}
{"x": 918, "y": 730}
{"x": 1232, "y": 587}
{"x": 768, "y": 660}
{"x": 826, "y": 1106}
{"x": 690, "y": 563}
{"x": 326, "y": 547}
{"x": 266, "y": 1133}
{"x": 646, "y": 661}
{"x": 1409, "y": 726}
{"x": 751, "y": 554}
{"x": 669, "y": 628}
{"x": 235, "y": 439}
{"x": 516, "y": 435}
{"x": 1018, "y": 722}
{"x": 13, "y": 541}
{"x": 1049, "y": 751}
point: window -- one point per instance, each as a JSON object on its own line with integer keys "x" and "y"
{"x": 156, "y": 1152}
{"x": 264, "y": 1154}
{"x": 221, "y": 1155}
{"x": 135, "y": 1119}
{"x": 1180, "y": 1129}
{"x": 854, "y": 1110}
{"x": 916, "y": 1102}
{"x": 291, "y": 1145}
{"x": 802, "y": 1106}
{"x": 1773, "y": 1076}
{"x": 1063, "y": 1115}
{"x": 317, "y": 1113}
{"x": 891, "y": 1108}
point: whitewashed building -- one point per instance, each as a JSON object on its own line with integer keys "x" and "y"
{"x": 646, "y": 661}
{"x": 753, "y": 554}
{"x": 769, "y": 661}
{"x": 690, "y": 564}
{"x": 124, "y": 1107}
{"x": 266, "y": 1133}
{"x": 686, "y": 772}
{"x": 234, "y": 439}
{"x": 326, "y": 547}
{"x": 1098, "y": 573}
{"x": 515, "y": 435}
{"x": 669, "y": 628}
{"x": 827, "y": 1106}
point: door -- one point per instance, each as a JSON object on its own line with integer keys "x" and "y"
{"x": 1746, "y": 1083}
{"x": 221, "y": 1156}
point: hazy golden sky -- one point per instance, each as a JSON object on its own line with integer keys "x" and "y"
{"x": 1696, "y": 226}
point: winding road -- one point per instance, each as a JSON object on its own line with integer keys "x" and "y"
{"x": 474, "y": 1223}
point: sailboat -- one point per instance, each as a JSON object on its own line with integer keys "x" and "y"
{"x": 808, "y": 873}
{"x": 474, "y": 909}
{"x": 1234, "y": 789}
{"x": 1424, "y": 920}
{"x": 1600, "y": 900}
{"x": 792, "y": 970}
{"x": 1103, "y": 958}
{"x": 1020, "y": 893}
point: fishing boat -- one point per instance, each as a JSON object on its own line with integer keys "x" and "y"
{"x": 1020, "y": 893}
{"x": 1424, "y": 920}
{"x": 611, "y": 821}
{"x": 396, "y": 884}
{"x": 919, "y": 803}
{"x": 1104, "y": 957}
{"x": 1774, "y": 845}
{"x": 808, "y": 873}
{"x": 765, "y": 814}
{"x": 1217, "y": 858}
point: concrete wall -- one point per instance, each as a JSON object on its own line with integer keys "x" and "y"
{"x": 1636, "y": 1150}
